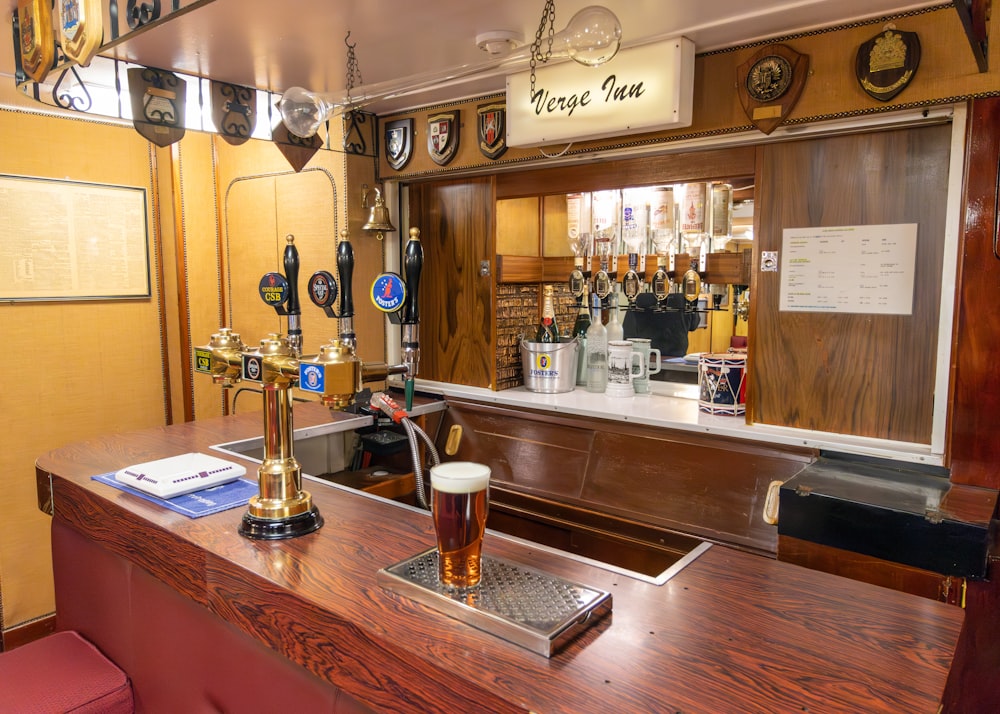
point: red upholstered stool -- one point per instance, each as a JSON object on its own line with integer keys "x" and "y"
{"x": 62, "y": 673}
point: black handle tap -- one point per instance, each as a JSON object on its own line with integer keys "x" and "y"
{"x": 345, "y": 267}
{"x": 292, "y": 303}
{"x": 413, "y": 263}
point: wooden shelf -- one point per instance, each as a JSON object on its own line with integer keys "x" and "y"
{"x": 732, "y": 268}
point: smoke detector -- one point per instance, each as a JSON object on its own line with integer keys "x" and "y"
{"x": 498, "y": 42}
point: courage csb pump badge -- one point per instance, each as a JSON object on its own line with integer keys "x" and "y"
{"x": 887, "y": 62}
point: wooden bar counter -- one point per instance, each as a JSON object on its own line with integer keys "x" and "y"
{"x": 730, "y": 632}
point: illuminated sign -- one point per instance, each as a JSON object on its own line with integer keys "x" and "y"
{"x": 648, "y": 88}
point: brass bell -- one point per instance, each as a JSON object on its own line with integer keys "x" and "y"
{"x": 378, "y": 218}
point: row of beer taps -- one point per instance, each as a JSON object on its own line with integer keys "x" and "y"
{"x": 281, "y": 509}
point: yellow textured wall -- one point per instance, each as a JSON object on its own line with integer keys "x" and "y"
{"x": 84, "y": 368}
{"x": 220, "y": 214}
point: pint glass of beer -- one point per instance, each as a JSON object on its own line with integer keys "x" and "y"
{"x": 459, "y": 503}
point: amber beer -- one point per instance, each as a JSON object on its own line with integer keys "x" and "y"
{"x": 459, "y": 503}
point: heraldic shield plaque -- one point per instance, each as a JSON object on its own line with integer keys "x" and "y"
{"x": 399, "y": 143}
{"x": 492, "y": 129}
{"x": 158, "y": 104}
{"x": 770, "y": 83}
{"x": 442, "y": 136}
{"x": 234, "y": 111}
{"x": 887, "y": 62}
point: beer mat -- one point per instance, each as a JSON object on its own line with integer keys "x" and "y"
{"x": 200, "y": 503}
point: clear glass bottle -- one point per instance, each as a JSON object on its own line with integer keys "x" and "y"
{"x": 580, "y": 328}
{"x": 614, "y": 327}
{"x": 548, "y": 330}
{"x": 695, "y": 240}
{"x": 597, "y": 351}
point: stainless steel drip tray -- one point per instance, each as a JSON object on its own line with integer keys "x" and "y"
{"x": 527, "y": 607}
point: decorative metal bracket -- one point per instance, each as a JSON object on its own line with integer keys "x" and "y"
{"x": 355, "y": 132}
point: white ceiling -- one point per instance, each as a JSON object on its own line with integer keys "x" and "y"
{"x": 275, "y": 44}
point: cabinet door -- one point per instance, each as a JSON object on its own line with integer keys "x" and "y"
{"x": 863, "y": 374}
{"x": 457, "y": 313}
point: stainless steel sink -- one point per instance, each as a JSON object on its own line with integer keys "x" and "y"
{"x": 325, "y": 449}
{"x": 321, "y": 449}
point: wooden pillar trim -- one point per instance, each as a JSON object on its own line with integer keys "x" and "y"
{"x": 975, "y": 448}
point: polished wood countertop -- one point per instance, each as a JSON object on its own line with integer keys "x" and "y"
{"x": 731, "y": 632}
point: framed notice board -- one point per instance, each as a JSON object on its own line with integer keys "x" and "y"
{"x": 70, "y": 240}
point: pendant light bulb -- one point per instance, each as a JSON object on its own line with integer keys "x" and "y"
{"x": 304, "y": 112}
{"x": 592, "y": 37}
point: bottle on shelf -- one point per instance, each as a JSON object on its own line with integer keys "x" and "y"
{"x": 614, "y": 327}
{"x": 597, "y": 351}
{"x": 580, "y": 328}
{"x": 548, "y": 330}
{"x": 695, "y": 240}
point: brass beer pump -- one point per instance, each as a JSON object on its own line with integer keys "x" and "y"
{"x": 281, "y": 509}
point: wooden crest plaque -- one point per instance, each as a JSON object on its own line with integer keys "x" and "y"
{"x": 158, "y": 104}
{"x": 399, "y": 143}
{"x": 234, "y": 111}
{"x": 492, "y": 129}
{"x": 79, "y": 29}
{"x": 297, "y": 150}
{"x": 887, "y": 62}
{"x": 442, "y": 136}
{"x": 36, "y": 41}
{"x": 770, "y": 83}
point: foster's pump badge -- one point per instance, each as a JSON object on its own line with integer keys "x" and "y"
{"x": 388, "y": 292}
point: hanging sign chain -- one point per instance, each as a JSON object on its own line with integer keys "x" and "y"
{"x": 353, "y": 69}
{"x": 548, "y": 19}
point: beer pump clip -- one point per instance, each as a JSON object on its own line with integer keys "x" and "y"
{"x": 324, "y": 293}
{"x": 397, "y": 297}
{"x": 281, "y": 293}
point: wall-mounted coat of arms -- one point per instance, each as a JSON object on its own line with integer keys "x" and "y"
{"x": 398, "y": 143}
{"x": 442, "y": 136}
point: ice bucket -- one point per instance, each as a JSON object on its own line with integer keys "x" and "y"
{"x": 549, "y": 367}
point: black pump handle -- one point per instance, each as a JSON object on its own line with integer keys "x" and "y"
{"x": 413, "y": 263}
{"x": 345, "y": 266}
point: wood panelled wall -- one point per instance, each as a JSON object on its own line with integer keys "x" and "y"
{"x": 862, "y": 374}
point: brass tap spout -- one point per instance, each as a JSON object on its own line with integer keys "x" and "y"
{"x": 221, "y": 357}
{"x": 379, "y": 371}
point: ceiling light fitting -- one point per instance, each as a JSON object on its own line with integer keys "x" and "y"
{"x": 592, "y": 37}
{"x": 499, "y": 42}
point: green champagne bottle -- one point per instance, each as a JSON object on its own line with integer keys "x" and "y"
{"x": 583, "y": 316}
{"x": 548, "y": 330}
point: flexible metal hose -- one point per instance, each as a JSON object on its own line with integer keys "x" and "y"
{"x": 412, "y": 431}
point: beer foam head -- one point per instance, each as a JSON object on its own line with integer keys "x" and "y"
{"x": 460, "y": 477}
